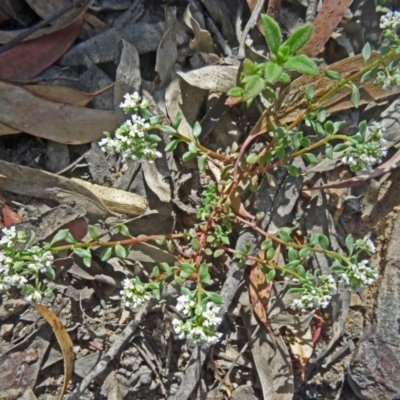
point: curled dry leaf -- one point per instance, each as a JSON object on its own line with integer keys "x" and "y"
{"x": 63, "y": 340}
{"x": 116, "y": 200}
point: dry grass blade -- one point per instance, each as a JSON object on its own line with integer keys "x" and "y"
{"x": 63, "y": 340}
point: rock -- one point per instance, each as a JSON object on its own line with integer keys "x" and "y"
{"x": 12, "y": 307}
{"x": 6, "y": 330}
{"x": 374, "y": 369}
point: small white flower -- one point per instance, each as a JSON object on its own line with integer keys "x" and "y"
{"x": 210, "y": 315}
{"x": 391, "y": 20}
{"x": 35, "y": 297}
{"x": 9, "y": 236}
{"x": 185, "y": 304}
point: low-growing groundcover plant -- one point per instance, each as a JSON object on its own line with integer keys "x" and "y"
{"x": 28, "y": 267}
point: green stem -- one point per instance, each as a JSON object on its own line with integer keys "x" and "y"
{"x": 330, "y": 253}
{"x": 260, "y": 170}
{"x": 132, "y": 240}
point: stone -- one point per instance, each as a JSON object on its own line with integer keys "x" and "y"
{"x": 374, "y": 369}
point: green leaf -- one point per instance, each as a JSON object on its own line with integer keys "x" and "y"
{"x": 218, "y": 253}
{"x": 204, "y": 275}
{"x": 284, "y": 78}
{"x": 329, "y": 127}
{"x": 167, "y": 129}
{"x": 172, "y": 145}
{"x": 273, "y": 35}
{"x": 284, "y": 234}
{"x": 202, "y": 162}
{"x": 235, "y": 92}
{"x": 270, "y": 276}
{"x": 152, "y": 139}
{"x": 156, "y": 271}
{"x": 368, "y": 75}
{"x": 196, "y": 130}
{"x": 252, "y": 158}
{"x": 366, "y": 52}
{"x": 355, "y": 96}
{"x": 87, "y": 261}
{"x": 305, "y": 252}
{"x": 50, "y": 273}
{"x": 30, "y": 241}
{"x": 215, "y": 298}
{"x": 310, "y": 158}
{"x": 195, "y": 243}
{"x": 188, "y": 268}
{"x": 260, "y": 215}
{"x": 293, "y": 171}
{"x": 82, "y": 253}
{"x": 253, "y": 87}
{"x": 106, "y": 254}
{"x": 292, "y": 254}
{"x": 60, "y": 235}
{"x": 269, "y": 255}
{"x": 123, "y": 230}
{"x": 179, "y": 281}
{"x": 272, "y": 72}
{"x": 309, "y": 92}
{"x": 334, "y": 75}
{"x": 93, "y": 232}
{"x": 302, "y": 64}
{"x": 188, "y": 156}
{"x": 321, "y": 115}
{"x": 120, "y": 251}
{"x": 350, "y": 244}
{"x": 249, "y": 67}
{"x": 298, "y": 38}
{"x": 329, "y": 151}
{"x": 160, "y": 240}
{"x": 192, "y": 147}
{"x": 323, "y": 241}
{"x": 266, "y": 244}
{"x": 177, "y": 120}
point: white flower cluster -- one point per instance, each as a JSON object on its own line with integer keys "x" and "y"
{"x": 131, "y": 139}
{"x": 391, "y": 20}
{"x": 360, "y": 274}
{"x": 312, "y": 297}
{"x": 133, "y": 103}
{"x": 134, "y": 293}
{"x": 389, "y": 80}
{"x": 17, "y": 267}
{"x": 200, "y": 327}
{"x": 365, "y": 244}
{"x": 362, "y": 156}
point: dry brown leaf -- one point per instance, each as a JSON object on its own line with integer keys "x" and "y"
{"x": 327, "y": 20}
{"x": 64, "y": 342}
{"x": 65, "y": 95}
{"x": 116, "y": 200}
{"x": 65, "y": 20}
{"x": 29, "y": 58}
{"x": 22, "y": 110}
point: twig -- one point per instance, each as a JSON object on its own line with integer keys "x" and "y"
{"x": 217, "y": 36}
{"x": 70, "y": 166}
{"x": 23, "y": 35}
{"x": 250, "y": 24}
{"x": 113, "y": 351}
{"x": 244, "y": 348}
{"x": 311, "y": 11}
